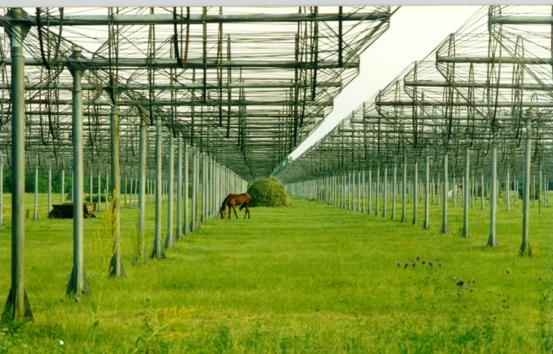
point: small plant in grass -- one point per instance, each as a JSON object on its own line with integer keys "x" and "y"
{"x": 268, "y": 191}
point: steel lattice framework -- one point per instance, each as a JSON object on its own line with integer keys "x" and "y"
{"x": 479, "y": 105}
{"x": 244, "y": 84}
{"x": 488, "y": 84}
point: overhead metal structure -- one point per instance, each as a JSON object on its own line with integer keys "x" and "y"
{"x": 244, "y": 84}
{"x": 477, "y": 109}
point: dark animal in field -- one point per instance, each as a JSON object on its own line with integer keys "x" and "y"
{"x": 232, "y": 200}
{"x": 65, "y": 211}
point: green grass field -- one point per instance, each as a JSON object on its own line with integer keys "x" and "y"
{"x": 309, "y": 278}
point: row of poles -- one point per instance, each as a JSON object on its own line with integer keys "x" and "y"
{"x": 355, "y": 189}
{"x": 99, "y": 186}
{"x": 208, "y": 182}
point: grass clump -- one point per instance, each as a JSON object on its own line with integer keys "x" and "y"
{"x": 269, "y": 192}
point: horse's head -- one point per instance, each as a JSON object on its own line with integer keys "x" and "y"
{"x": 222, "y": 213}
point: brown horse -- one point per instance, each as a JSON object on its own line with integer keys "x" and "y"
{"x": 232, "y": 200}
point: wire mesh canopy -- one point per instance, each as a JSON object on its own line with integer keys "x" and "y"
{"x": 244, "y": 84}
{"x": 487, "y": 85}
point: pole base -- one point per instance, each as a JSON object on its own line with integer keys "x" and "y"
{"x": 113, "y": 271}
{"x": 11, "y": 313}
{"x": 525, "y": 249}
{"x": 72, "y": 284}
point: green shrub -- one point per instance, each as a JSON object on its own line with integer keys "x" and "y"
{"x": 268, "y": 191}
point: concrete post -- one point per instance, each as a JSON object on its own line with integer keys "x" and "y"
{"x": 404, "y": 190}
{"x": 169, "y": 239}
{"x": 116, "y": 265}
{"x": 415, "y": 189}
{"x": 17, "y": 305}
{"x": 385, "y": 192}
{"x": 99, "y": 206}
{"x": 35, "y": 201}
{"x": 427, "y": 194}
{"x": 377, "y": 189}
{"x": 394, "y": 190}
{"x": 77, "y": 282}
{"x": 62, "y": 192}
{"x": 2, "y": 193}
{"x": 445, "y": 187}
{"x": 158, "y": 252}
{"x": 179, "y": 187}
{"x": 186, "y": 223}
{"x": 142, "y": 167}
{"x": 525, "y": 249}
{"x": 493, "y": 196}
{"x": 466, "y": 195}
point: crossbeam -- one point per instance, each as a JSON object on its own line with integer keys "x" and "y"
{"x": 521, "y": 20}
{"x": 157, "y": 103}
{"x": 177, "y": 86}
{"x": 464, "y": 104}
{"x": 194, "y": 63}
{"x": 169, "y": 18}
{"x": 454, "y": 84}
{"x": 489, "y": 60}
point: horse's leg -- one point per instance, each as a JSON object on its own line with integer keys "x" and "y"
{"x": 234, "y": 208}
{"x": 248, "y": 211}
{"x": 229, "y": 206}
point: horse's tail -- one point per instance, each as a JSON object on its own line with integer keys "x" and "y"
{"x": 243, "y": 205}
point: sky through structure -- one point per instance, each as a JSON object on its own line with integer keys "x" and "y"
{"x": 414, "y": 31}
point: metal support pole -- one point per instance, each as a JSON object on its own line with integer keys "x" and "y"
{"x": 17, "y": 305}
{"x": 158, "y": 251}
{"x": 203, "y": 187}
{"x": 99, "y": 206}
{"x": 186, "y": 221}
{"x": 385, "y": 192}
{"x": 508, "y": 190}
{"x": 179, "y": 187}
{"x": 394, "y": 191}
{"x": 2, "y": 193}
{"x": 116, "y": 266}
{"x": 131, "y": 189}
{"x": 415, "y": 189}
{"x": 445, "y": 187}
{"x": 454, "y": 191}
{"x": 169, "y": 239}
{"x": 78, "y": 283}
{"x": 377, "y": 189}
{"x": 90, "y": 186}
{"x": 525, "y": 249}
{"x": 126, "y": 191}
{"x": 482, "y": 189}
{"x": 35, "y": 201}
{"x": 142, "y": 167}
{"x": 363, "y": 187}
{"x": 197, "y": 156}
{"x": 404, "y": 190}
{"x": 466, "y": 195}
{"x": 62, "y": 192}
{"x": 427, "y": 194}
{"x": 493, "y": 196}
{"x": 193, "y": 183}
{"x": 106, "y": 196}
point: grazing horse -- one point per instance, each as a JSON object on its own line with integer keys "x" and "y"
{"x": 232, "y": 200}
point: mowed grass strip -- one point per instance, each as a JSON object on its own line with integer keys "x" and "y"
{"x": 305, "y": 278}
